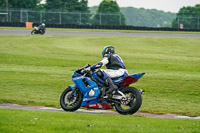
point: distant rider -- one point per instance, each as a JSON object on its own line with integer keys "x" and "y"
{"x": 115, "y": 67}
{"x": 41, "y": 28}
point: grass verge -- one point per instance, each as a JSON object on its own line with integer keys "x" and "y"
{"x": 34, "y": 70}
{"x": 58, "y": 122}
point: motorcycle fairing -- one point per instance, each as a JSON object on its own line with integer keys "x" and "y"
{"x": 126, "y": 81}
{"x": 91, "y": 102}
{"x": 99, "y": 106}
{"x": 94, "y": 74}
{"x": 136, "y": 76}
{"x": 35, "y": 27}
{"x": 85, "y": 85}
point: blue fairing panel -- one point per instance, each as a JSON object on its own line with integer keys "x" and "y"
{"x": 137, "y": 75}
{"x": 72, "y": 86}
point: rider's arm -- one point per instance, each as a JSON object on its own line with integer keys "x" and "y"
{"x": 100, "y": 64}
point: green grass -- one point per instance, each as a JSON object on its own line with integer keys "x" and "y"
{"x": 105, "y": 30}
{"x": 15, "y": 121}
{"x": 34, "y": 70}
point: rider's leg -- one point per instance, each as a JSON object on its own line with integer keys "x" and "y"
{"x": 108, "y": 81}
{"x": 112, "y": 86}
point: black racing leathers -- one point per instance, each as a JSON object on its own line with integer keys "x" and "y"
{"x": 114, "y": 62}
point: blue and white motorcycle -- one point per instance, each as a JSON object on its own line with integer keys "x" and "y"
{"x": 89, "y": 91}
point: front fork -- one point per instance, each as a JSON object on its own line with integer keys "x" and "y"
{"x": 71, "y": 95}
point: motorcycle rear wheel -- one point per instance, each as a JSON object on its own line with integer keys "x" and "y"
{"x": 71, "y": 103}
{"x": 133, "y": 105}
{"x": 42, "y": 32}
{"x": 33, "y": 32}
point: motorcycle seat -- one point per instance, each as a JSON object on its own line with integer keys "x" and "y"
{"x": 120, "y": 78}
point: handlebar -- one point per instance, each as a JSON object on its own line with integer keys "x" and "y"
{"x": 81, "y": 70}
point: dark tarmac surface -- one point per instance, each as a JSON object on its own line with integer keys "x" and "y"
{"x": 95, "y": 33}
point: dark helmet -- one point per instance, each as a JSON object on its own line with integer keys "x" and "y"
{"x": 108, "y": 50}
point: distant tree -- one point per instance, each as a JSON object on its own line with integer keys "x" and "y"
{"x": 76, "y": 11}
{"x": 68, "y": 5}
{"x": 54, "y": 4}
{"x": 108, "y": 13}
{"x": 27, "y": 4}
{"x": 147, "y": 17}
{"x": 188, "y": 16}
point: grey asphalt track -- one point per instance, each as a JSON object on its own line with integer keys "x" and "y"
{"x": 95, "y": 33}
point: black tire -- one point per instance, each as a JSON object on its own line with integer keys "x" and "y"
{"x": 33, "y": 32}
{"x": 133, "y": 105}
{"x": 42, "y": 32}
{"x": 76, "y": 100}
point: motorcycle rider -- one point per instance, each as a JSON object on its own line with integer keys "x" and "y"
{"x": 115, "y": 68}
{"x": 41, "y": 28}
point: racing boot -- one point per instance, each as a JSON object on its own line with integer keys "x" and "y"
{"x": 112, "y": 86}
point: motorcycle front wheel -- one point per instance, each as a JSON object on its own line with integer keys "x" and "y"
{"x": 132, "y": 103}
{"x": 69, "y": 101}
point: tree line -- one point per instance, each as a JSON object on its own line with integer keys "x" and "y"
{"x": 189, "y": 17}
{"x": 109, "y": 13}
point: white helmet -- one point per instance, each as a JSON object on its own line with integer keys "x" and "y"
{"x": 43, "y": 24}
